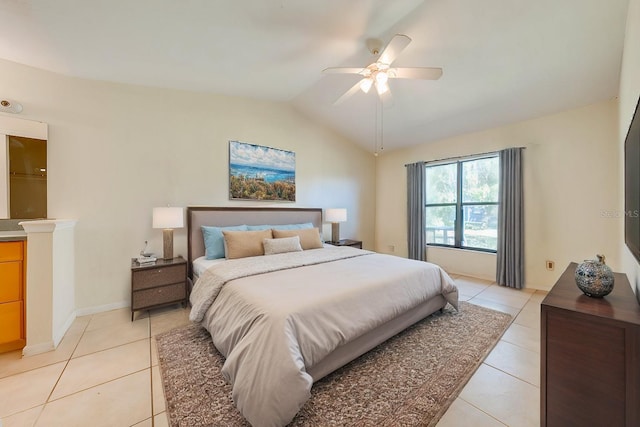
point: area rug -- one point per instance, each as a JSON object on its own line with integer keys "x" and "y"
{"x": 409, "y": 380}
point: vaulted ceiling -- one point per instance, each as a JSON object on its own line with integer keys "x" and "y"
{"x": 503, "y": 60}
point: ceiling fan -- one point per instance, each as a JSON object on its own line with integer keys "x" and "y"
{"x": 378, "y": 73}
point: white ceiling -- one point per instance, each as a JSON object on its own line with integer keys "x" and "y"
{"x": 503, "y": 60}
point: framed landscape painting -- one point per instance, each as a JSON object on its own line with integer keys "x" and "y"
{"x": 261, "y": 173}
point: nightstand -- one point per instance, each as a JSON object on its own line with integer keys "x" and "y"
{"x": 347, "y": 242}
{"x": 161, "y": 283}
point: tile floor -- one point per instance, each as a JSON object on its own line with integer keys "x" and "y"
{"x": 105, "y": 370}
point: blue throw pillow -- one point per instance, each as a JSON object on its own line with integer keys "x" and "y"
{"x": 214, "y": 240}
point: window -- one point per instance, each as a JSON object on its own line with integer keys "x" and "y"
{"x": 462, "y": 204}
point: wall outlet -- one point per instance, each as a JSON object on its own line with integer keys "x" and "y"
{"x": 392, "y": 248}
{"x": 550, "y": 265}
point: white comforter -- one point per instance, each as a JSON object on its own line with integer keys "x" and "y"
{"x": 272, "y": 320}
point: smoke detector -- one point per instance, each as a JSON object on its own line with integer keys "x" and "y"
{"x": 8, "y": 106}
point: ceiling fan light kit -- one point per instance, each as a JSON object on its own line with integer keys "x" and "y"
{"x": 365, "y": 84}
{"x": 378, "y": 73}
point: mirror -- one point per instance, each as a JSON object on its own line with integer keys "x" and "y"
{"x": 27, "y": 177}
{"x": 23, "y": 169}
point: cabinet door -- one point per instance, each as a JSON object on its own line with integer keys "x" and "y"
{"x": 10, "y": 281}
{"x": 11, "y": 321}
{"x": 10, "y": 251}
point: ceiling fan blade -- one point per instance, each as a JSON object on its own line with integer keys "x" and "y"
{"x": 343, "y": 70}
{"x": 397, "y": 44}
{"x": 424, "y": 73}
{"x": 348, "y": 94}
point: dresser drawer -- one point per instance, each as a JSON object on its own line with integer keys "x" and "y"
{"x": 11, "y": 251}
{"x": 162, "y": 275}
{"x": 11, "y": 321}
{"x": 161, "y": 295}
{"x": 10, "y": 281}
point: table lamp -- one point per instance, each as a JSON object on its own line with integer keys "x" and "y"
{"x": 168, "y": 218}
{"x": 335, "y": 216}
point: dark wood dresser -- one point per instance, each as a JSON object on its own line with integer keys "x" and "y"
{"x": 590, "y": 356}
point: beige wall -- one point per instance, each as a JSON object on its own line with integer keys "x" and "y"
{"x": 571, "y": 176}
{"x": 116, "y": 151}
{"x": 629, "y": 93}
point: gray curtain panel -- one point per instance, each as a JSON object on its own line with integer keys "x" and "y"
{"x": 510, "y": 252}
{"x": 416, "y": 220}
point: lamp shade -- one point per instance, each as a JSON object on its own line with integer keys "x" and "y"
{"x": 336, "y": 215}
{"x": 169, "y": 217}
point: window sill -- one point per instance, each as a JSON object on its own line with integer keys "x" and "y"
{"x": 463, "y": 250}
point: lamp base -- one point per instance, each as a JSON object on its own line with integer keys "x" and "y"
{"x": 167, "y": 243}
{"x": 335, "y": 231}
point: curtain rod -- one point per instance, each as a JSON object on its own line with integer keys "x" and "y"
{"x": 463, "y": 157}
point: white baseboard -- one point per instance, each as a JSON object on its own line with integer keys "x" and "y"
{"x": 32, "y": 350}
{"x": 100, "y": 308}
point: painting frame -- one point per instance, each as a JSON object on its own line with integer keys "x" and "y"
{"x": 261, "y": 173}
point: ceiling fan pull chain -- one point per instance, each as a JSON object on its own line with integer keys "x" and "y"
{"x": 381, "y": 124}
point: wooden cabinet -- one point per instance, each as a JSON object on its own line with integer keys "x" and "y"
{"x": 590, "y": 356}
{"x": 12, "y": 305}
{"x": 161, "y": 283}
{"x": 347, "y": 242}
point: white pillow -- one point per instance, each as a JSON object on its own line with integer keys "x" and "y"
{"x": 278, "y": 246}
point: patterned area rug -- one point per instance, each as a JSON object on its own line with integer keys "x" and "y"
{"x": 409, "y": 380}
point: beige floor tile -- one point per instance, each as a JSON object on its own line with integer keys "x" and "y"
{"x": 522, "y": 336}
{"x": 161, "y": 420}
{"x": 463, "y": 297}
{"x": 517, "y": 361}
{"x": 28, "y": 389}
{"x": 158, "y": 391}
{"x": 488, "y": 303}
{"x": 461, "y": 413}
{"x": 122, "y": 402}
{"x": 79, "y": 324}
{"x": 512, "y": 401}
{"x": 146, "y": 423}
{"x": 475, "y": 280}
{"x": 154, "y": 352}
{"x": 159, "y": 311}
{"x": 103, "y": 366}
{"x": 22, "y": 419}
{"x": 112, "y": 336}
{"x": 113, "y": 317}
{"x": 168, "y": 320}
{"x": 538, "y": 296}
{"x": 529, "y": 316}
{"x": 13, "y": 362}
{"x": 532, "y": 304}
{"x": 506, "y": 296}
{"x": 471, "y": 289}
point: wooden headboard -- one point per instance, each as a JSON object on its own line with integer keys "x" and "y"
{"x": 198, "y": 216}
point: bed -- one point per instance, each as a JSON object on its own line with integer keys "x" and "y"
{"x": 284, "y": 321}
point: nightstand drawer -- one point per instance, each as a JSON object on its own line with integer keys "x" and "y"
{"x": 11, "y": 251}
{"x": 10, "y": 281}
{"x": 162, "y": 275}
{"x": 160, "y": 295}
